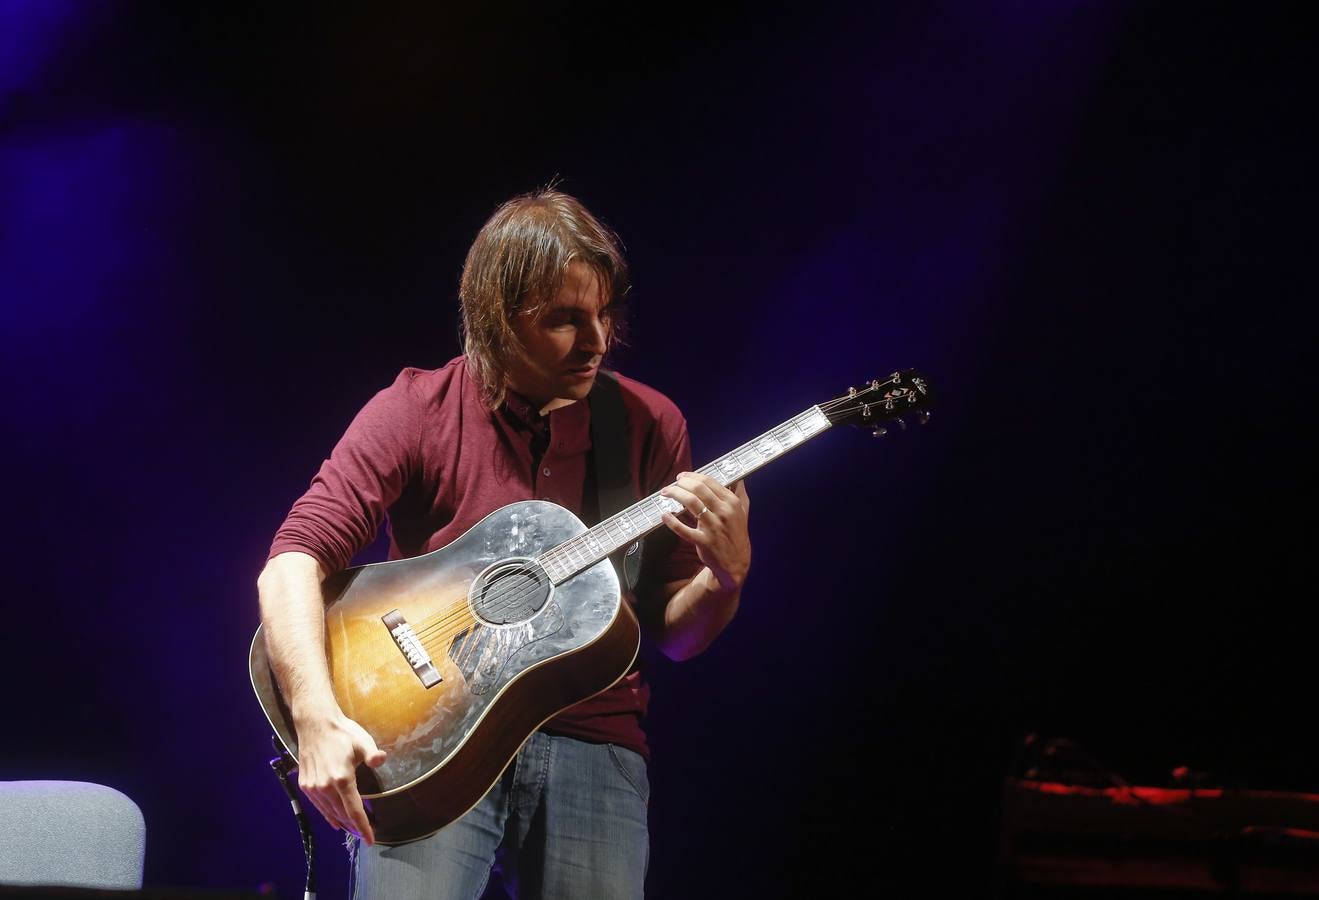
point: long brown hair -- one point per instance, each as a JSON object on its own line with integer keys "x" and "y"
{"x": 516, "y": 266}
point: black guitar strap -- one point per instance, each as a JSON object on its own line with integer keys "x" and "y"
{"x": 613, "y": 481}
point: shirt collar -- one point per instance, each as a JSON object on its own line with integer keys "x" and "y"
{"x": 570, "y": 424}
{"x": 520, "y": 410}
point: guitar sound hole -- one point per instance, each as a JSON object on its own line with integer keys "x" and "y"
{"x": 512, "y": 591}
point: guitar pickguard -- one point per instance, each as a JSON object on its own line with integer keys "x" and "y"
{"x": 482, "y": 652}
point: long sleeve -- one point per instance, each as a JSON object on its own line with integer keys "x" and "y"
{"x": 368, "y": 469}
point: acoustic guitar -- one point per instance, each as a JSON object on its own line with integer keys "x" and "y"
{"x": 451, "y": 660}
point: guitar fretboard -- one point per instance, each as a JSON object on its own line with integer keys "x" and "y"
{"x": 644, "y": 516}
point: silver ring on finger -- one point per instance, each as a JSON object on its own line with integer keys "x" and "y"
{"x": 704, "y": 509}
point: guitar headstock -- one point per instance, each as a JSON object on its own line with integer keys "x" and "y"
{"x": 883, "y": 403}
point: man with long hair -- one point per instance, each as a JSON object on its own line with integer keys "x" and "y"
{"x": 437, "y": 451}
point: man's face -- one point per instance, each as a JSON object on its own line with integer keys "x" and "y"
{"x": 562, "y": 348}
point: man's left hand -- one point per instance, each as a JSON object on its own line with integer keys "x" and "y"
{"x": 718, "y": 529}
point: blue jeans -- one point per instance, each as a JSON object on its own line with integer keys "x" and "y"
{"x": 566, "y": 820}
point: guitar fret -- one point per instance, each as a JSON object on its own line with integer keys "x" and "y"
{"x": 730, "y": 467}
{"x": 647, "y": 513}
{"x": 623, "y": 531}
{"x": 816, "y": 420}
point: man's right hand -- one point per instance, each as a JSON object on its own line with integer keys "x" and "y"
{"x": 330, "y": 747}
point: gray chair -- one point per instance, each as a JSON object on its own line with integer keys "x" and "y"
{"x": 70, "y": 833}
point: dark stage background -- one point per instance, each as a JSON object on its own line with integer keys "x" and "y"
{"x": 222, "y": 229}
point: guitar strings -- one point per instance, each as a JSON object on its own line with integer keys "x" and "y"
{"x": 508, "y": 598}
{"x": 440, "y": 628}
{"x": 476, "y": 637}
{"x": 459, "y": 615}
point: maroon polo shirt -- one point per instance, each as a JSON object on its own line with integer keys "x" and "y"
{"x": 427, "y": 454}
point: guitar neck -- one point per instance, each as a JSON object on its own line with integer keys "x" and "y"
{"x": 644, "y": 516}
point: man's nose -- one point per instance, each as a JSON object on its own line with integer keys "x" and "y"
{"x": 594, "y": 338}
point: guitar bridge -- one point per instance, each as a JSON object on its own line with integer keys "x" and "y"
{"x": 410, "y": 646}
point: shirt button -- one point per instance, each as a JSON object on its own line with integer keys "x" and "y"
{"x": 545, "y": 471}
